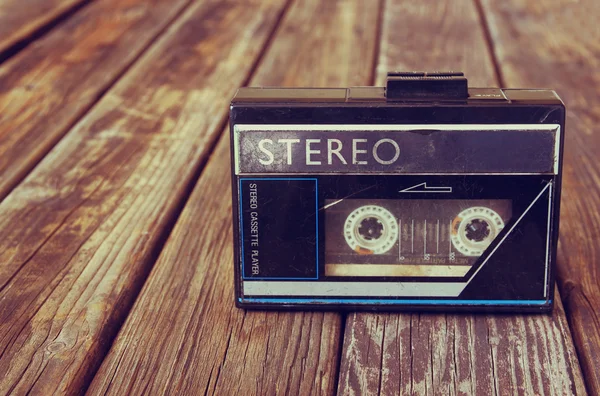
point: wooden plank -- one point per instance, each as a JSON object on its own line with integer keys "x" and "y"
{"x": 558, "y": 48}
{"x": 52, "y": 83}
{"x": 79, "y": 236}
{"x": 205, "y": 344}
{"x": 455, "y": 40}
{"x": 425, "y": 354}
{"x": 465, "y": 354}
{"x": 19, "y": 21}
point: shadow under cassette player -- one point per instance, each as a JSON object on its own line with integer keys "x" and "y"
{"x": 424, "y": 194}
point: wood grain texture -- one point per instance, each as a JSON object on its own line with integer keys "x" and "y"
{"x": 206, "y": 345}
{"x": 19, "y": 20}
{"x": 455, "y": 40}
{"x": 80, "y": 234}
{"x": 47, "y": 87}
{"x": 556, "y": 44}
{"x": 431, "y": 354}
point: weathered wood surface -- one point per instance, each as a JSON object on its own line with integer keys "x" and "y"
{"x": 429, "y": 354}
{"x": 79, "y": 235}
{"x": 47, "y": 87}
{"x": 20, "y": 20}
{"x": 556, "y": 44}
{"x": 184, "y": 333}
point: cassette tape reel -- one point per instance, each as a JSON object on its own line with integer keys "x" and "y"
{"x": 371, "y": 229}
{"x": 474, "y": 229}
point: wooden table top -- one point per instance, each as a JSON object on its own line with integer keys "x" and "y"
{"x": 115, "y": 216}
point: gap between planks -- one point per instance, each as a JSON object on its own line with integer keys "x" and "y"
{"x": 34, "y": 23}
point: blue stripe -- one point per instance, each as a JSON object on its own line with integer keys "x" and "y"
{"x": 395, "y": 302}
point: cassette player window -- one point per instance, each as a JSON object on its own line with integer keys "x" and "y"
{"x": 415, "y": 238}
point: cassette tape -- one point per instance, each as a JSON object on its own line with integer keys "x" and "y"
{"x": 424, "y": 194}
{"x": 409, "y": 238}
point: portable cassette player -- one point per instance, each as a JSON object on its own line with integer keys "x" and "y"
{"x": 424, "y": 194}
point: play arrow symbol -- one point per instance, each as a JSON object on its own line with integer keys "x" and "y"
{"x": 422, "y": 188}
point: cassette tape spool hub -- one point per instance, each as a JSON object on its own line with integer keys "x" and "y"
{"x": 474, "y": 229}
{"x": 371, "y": 229}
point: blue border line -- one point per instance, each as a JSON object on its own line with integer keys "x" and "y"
{"x": 396, "y": 302}
{"x": 244, "y": 277}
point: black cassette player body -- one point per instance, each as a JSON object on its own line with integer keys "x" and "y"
{"x": 423, "y": 194}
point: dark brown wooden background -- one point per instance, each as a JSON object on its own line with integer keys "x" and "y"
{"x": 115, "y": 224}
